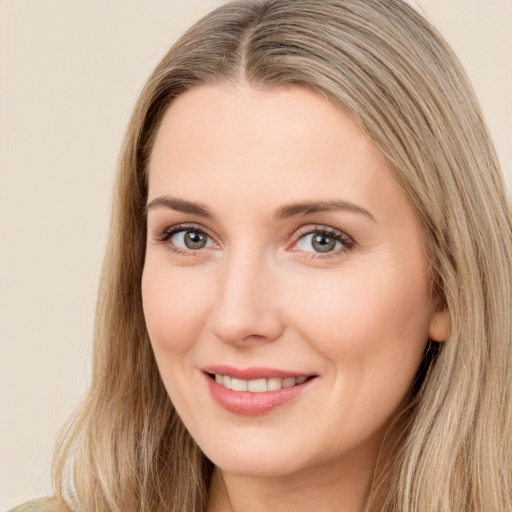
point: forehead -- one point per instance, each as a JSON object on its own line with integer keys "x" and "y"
{"x": 227, "y": 140}
{"x": 214, "y": 113}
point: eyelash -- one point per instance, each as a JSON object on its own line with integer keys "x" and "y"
{"x": 339, "y": 236}
{"x": 168, "y": 233}
{"x": 347, "y": 243}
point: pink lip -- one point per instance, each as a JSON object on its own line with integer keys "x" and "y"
{"x": 253, "y": 373}
{"x": 252, "y": 404}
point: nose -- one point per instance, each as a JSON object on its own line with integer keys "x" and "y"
{"x": 246, "y": 309}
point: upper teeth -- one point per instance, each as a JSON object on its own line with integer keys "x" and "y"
{"x": 257, "y": 385}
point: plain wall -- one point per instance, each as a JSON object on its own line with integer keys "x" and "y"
{"x": 70, "y": 72}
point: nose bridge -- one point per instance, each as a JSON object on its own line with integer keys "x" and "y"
{"x": 246, "y": 306}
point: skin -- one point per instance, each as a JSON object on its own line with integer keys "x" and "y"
{"x": 259, "y": 294}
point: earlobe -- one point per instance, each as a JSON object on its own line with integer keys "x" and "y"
{"x": 440, "y": 325}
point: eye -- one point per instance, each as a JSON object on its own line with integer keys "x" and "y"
{"x": 190, "y": 239}
{"x": 324, "y": 241}
{"x": 186, "y": 238}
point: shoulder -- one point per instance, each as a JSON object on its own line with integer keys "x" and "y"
{"x": 39, "y": 505}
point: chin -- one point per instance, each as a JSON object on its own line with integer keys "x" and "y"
{"x": 260, "y": 467}
{"x": 255, "y": 459}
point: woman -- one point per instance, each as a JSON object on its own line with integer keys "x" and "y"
{"x": 306, "y": 295}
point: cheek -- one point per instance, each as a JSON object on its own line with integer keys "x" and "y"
{"x": 174, "y": 305}
{"x": 370, "y": 323}
{"x": 372, "y": 331}
{"x": 361, "y": 306}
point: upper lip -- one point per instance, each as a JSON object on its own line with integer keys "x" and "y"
{"x": 253, "y": 373}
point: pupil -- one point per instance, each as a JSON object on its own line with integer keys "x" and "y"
{"x": 195, "y": 240}
{"x": 323, "y": 243}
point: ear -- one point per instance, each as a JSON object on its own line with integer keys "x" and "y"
{"x": 440, "y": 324}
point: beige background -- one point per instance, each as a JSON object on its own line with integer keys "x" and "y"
{"x": 70, "y": 71}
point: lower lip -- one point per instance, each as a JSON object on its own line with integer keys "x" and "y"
{"x": 254, "y": 404}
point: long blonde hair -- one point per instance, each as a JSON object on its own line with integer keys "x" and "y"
{"x": 127, "y": 450}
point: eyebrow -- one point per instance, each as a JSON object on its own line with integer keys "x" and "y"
{"x": 179, "y": 205}
{"x": 312, "y": 207}
{"x": 284, "y": 212}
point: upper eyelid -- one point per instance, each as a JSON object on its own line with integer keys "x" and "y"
{"x": 166, "y": 233}
{"x": 314, "y": 228}
{"x": 320, "y": 228}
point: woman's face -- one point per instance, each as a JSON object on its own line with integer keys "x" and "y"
{"x": 283, "y": 261}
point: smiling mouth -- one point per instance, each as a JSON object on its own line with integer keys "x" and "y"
{"x": 258, "y": 385}
{"x": 260, "y": 392}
